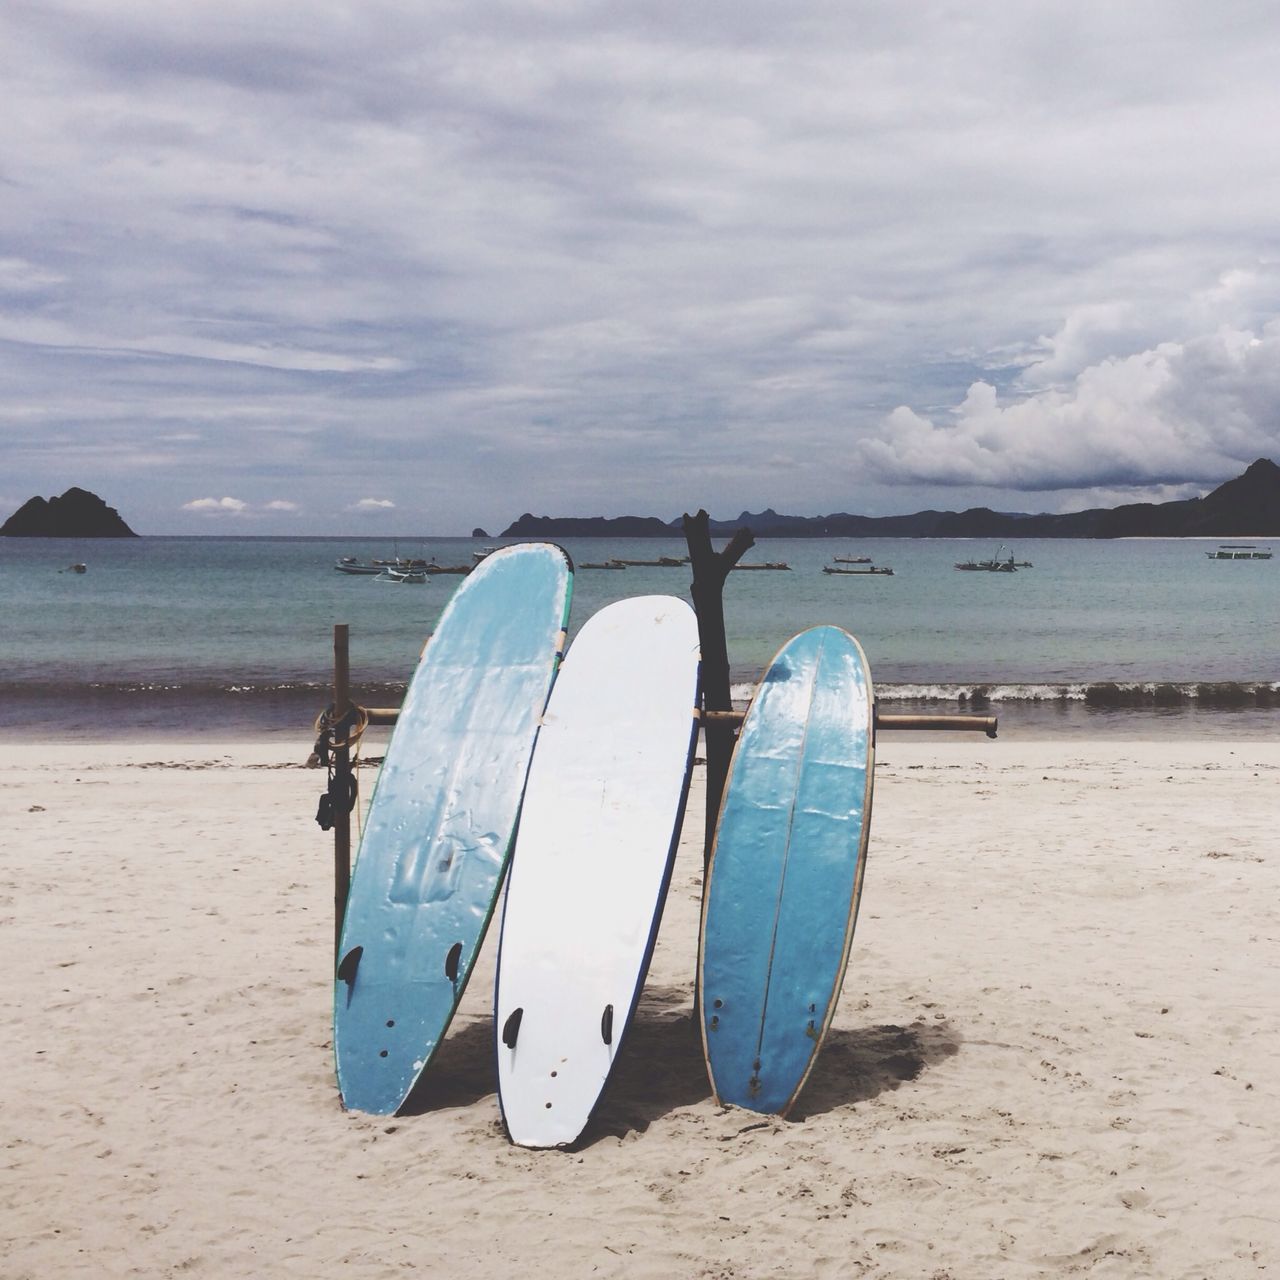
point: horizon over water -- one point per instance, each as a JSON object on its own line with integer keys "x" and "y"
{"x": 173, "y": 636}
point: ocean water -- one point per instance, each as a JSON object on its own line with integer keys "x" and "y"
{"x": 175, "y": 635}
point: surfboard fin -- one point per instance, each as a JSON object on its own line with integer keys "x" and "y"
{"x": 511, "y": 1028}
{"x": 606, "y": 1024}
{"x": 348, "y": 966}
{"x": 451, "y": 962}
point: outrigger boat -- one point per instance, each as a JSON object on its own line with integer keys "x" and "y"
{"x": 349, "y": 564}
{"x": 662, "y": 562}
{"x": 1239, "y": 551}
{"x": 402, "y": 576}
{"x": 858, "y": 573}
{"x": 996, "y": 564}
{"x": 850, "y": 559}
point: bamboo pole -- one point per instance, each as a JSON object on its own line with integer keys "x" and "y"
{"x": 341, "y": 774}
{"x": 974, "y": 724}
{"x": 733, "y": 719}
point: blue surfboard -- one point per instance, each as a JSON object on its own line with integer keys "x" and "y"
{"x": 786, "y": 871}
{"x": 439, "y": 828}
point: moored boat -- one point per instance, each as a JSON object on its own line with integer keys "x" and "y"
{"x": 1240, "y": 551}
{"x": 401, "y": 576}
{"x": 996, "y": 564}
{"x": 349, "y": 564}
{"x": 662, "y": 562}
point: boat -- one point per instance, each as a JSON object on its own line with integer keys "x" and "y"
{"x": 349, "y": 564}
{"x": 602, "y": 564}
{"x": 75, "y": 568}
{"x": 858, "y": 573}
{"x": 850, "y": 559}
{"x": 995, "y": 564}
{"x": 477, "y": 556}
{"x": 769, "y": 564}
{"x": 1240, "y": 551}
{"x": 662, "y": 562}
{"x": 402, "y": 576}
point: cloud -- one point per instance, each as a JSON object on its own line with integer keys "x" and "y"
{"x": 1196, "y": 410}
{"x": 281, "y": 504}
{"x": 372, "y": 504}
{"x": 19, "y": 276}
{"x": 587, "y": 258}
{"x": 218, "y": 506}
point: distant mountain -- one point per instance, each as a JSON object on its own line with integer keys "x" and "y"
{"x": 589, "y": 527}
{"x": 77, "y": 514}
{"x": 1248, "y": 506}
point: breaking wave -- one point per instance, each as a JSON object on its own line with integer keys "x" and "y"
{"x": 1227, "y": 694}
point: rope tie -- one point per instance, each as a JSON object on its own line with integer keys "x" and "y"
{"x": 333, "y": 733}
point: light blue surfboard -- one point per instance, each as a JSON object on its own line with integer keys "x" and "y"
{"x": 786, "y": 871}
{"x": 440, "y": 825}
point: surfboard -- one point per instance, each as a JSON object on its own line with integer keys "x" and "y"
{"x": 786, "y": 870}
{"x": 440, "y": 823}
{"x": 592, "y": 862}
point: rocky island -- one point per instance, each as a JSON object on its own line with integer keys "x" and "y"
{"x": 76, "y": 514}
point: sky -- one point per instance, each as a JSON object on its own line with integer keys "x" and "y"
{"x": 339, "y": 268}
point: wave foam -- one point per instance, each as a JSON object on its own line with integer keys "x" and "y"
{"x": 1101, "y": 693}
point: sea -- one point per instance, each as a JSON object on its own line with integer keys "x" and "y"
{"x": 183, "y": 636}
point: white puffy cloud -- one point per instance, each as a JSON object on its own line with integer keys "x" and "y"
{"x": 218, "y": 506}
{"x": 1089, "y": 334}
{"x": 281, "y": 504}
{"x": 372, "y": 504}
{"x": 1195, "y": 410}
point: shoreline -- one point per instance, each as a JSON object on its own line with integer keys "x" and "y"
{"x": 1056, "y": 1051}
{"x": 1135, "y": 712}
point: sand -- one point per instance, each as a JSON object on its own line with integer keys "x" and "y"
{"x": 1056, "y": 1053}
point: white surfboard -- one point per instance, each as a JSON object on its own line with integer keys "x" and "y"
{"x": 601, "y": 819}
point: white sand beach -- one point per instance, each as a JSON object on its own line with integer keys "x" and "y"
{"x": 1057, "y": 1052}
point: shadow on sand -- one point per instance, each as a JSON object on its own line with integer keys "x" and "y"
{"x": 463, "y": 1071}
{"x": 660, "y": 1067}
{"x": 859, "y": 1064}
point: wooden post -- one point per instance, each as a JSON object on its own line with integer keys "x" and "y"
{"x": 341, "y": 774}
{"x": 969, "y": 724}
{"x": 710, "y": 568}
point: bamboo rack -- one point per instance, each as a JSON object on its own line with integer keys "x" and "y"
{"x": 734, "y": 719}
